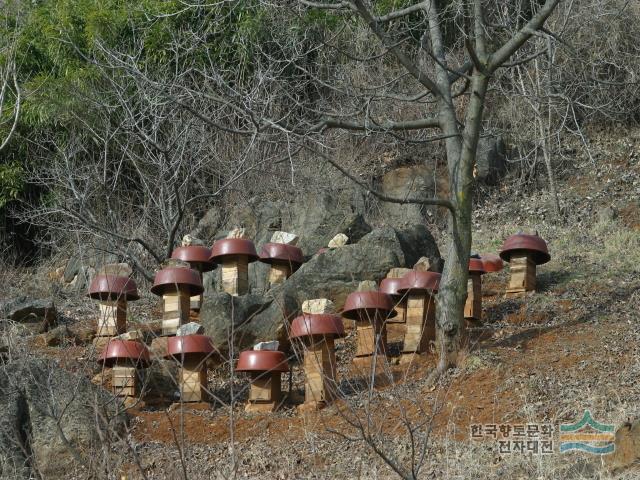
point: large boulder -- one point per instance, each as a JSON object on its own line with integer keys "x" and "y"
{"x": 491, "y": 162}
{"x": 160, "y": 382}
{"x": 37, "y": 314}
{"x": 332, "y": 274}
{"x": 405, "y": 182}
{"x": 316, "y": 219}
{"x": 50, "y": 418}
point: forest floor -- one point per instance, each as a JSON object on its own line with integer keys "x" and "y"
{"x": 535, "y": 362}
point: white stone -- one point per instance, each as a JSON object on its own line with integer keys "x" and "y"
{"x": 272, "y": 345}
{"x": 422, "y": 265}
{"x": 318, "y": 305}
{"x": 398, "y": 272}
{"x": 237, "y": 232}
{"x": 367, "y": 286}
{"x": 340, "y": 240}
{"x": 135, "y": 335}
{"x": 285, "y": 237}
{"x": 191, "y": 328}
{"x": 189, "y": 240}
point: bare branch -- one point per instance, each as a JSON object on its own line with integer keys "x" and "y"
{"x": 406, "y": 62}
{"x": 380, "y": 196}
{"x": 385, "y": 126}
{"x": 537, "y": 21}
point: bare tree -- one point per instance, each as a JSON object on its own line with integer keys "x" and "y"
{"x": 456, "y": 92}
{"x": 133, "y": 171}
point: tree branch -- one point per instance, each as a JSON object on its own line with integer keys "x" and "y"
{"x": 376, "y": 127}
{"x": 381, "y": 196}
{"x": 406, "y": 62}
{"x": 17, "y": 111}
{"x": 477, "y": 63}
{"x": 537, "y": 21}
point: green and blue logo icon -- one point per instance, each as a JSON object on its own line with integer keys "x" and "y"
{"x": 587, "y": 435}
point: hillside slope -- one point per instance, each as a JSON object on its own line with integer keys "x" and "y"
{"x": 544, "y": 359}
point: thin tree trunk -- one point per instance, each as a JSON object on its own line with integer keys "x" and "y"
{"x": 453, "y": 287}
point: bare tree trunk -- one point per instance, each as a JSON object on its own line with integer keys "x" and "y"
{"x": 450, "y": 311}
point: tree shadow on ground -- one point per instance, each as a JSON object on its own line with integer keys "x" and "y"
{"x": 547, "y": 280}
{"x": 522, "y": 338}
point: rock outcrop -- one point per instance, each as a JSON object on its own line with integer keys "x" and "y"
{"x": 38, "y": 315}
{"x": 332, "y": 274}
{"x": 50, "y": 419}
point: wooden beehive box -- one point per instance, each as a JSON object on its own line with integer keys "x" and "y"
{"x": 523, "y": 274}
{"x": 113, "y": 318}
{"x": 420, "y": 323}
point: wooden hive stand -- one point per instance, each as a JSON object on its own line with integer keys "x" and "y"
{"x": 176, "y": 306}
{"x": 523, "y": 252}
{"x": 265, "y": 368}
{"x": 176, "y": 285}
{"x": 473, "y": 305}
{"x": 113, "y": 318}
{"x": 124, "y": 357}
{"x": 283, "y": 258}
{"x": 420, "y": 287}
{"x": 191, "y": 352}
{"x": 523, "y": 274}
{"x": 234, "y": 255}
{"x": 317, "y": 332}
{"x": 390, "y": 286}
{"x": 370, "y": 310}
{"x": 197, "y": 256}
{"x": 421, "y": 317}
{"x": 113, "y": 292}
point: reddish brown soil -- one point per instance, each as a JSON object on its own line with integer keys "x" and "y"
{"x": 165, "y": 426}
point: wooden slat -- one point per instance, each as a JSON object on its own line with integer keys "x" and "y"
{"x": 113, "y": 318}
{"x": 320, "y": 371}
{"x": 523, "y": 274}
{"x": 473, "y": 306}
{"x": 421, "y": 327}
{"x": 193, "y": 382}
{"x": 235, "y": 276}
{"x": 124, "y": 381}
{"x": 176, "y": 311}
{"x": 370, "y": 336}
{"x": 265, "y": 388}
{"x": 279, "y": 273}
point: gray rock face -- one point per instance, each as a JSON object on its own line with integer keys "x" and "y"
{"x": 160, "y": 381}
{"x": 332, "y": 274}
{"x": 224, "y": 317}
{"x": 405, "y": 182}
{"x": 37, "y": 397}
{"x": 491, "y": 163}
{"x": 83, "y": 264}
{"x": 191, "y": 328}
{"x": 38, "y": 314}
{"x": 316, "y": 219}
